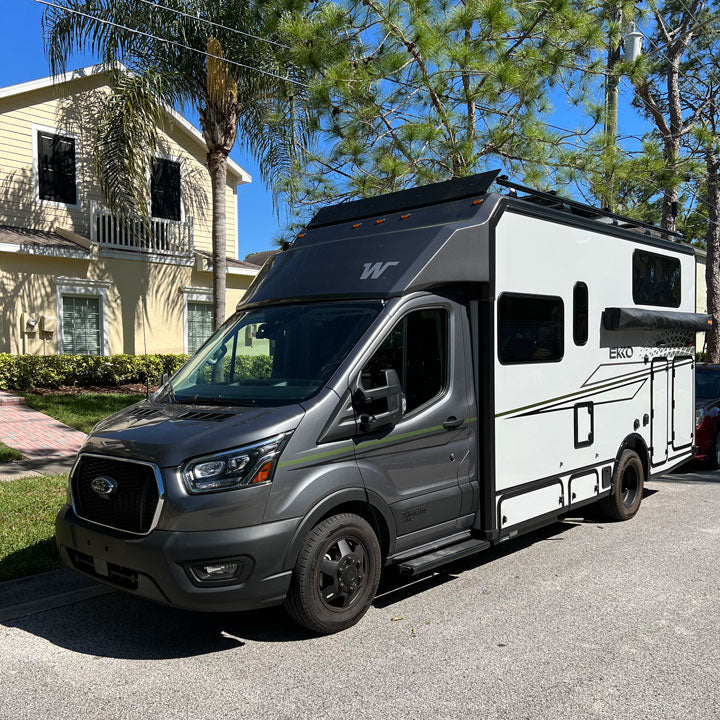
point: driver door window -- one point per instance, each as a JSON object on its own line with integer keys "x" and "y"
{"x": 417, "y": 349}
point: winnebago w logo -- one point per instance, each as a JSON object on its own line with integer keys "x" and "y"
{"x": 373, "y": 271}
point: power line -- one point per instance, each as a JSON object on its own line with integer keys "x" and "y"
{"x": 213, "y": 23}
{"x": 168, "y": 42}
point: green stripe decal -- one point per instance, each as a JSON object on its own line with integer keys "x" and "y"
{"x": 367, "y": 444}
{"x": 586, "y": 391}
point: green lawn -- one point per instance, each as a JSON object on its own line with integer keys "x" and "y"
{"x": 80, "y": 411}
{"x": 29, "y": 506}
{"x": 8, "y": 454}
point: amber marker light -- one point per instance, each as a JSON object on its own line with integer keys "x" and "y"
{"x": 477, "y": 202}
{"x": 405, "y": 217}
{"x": 356, "y": 225}
{"x": 380, "y": 222}
{"x": 301, "y": 235}
{"x": 263, "y": 473}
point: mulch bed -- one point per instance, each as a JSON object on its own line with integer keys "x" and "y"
{"x": 130, "y": 388}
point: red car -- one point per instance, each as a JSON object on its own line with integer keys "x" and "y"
{"x": 707, "y": 413}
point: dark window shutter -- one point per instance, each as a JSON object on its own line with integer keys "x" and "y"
{"x": 165, "y": 189}
{"x": 56, "y": 168}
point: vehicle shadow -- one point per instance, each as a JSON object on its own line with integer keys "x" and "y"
{"x": 126, "y": 627}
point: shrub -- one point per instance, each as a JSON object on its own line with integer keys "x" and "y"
{"x": 20, "y": 372}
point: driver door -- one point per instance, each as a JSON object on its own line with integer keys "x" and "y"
{"x": 421, "y": 466}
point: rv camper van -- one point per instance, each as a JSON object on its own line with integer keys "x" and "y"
{"x": 416, "y": 378}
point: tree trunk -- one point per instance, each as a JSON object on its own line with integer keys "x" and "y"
{"x": 672, "y": 143}
{"x": 712, "y": 262}
{"x": 217, "y": 165}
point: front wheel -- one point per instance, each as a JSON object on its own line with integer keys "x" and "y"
{"x": 628, "y": 481}
{"x": 336, "y": 574}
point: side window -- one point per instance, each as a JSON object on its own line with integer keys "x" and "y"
{"x": 656, "y": 279}
{"x": 580, "y": 313}
{"x": 530, "y": 328}
{"x": 417, "y": 349}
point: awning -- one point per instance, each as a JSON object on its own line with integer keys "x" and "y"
{"x": 637, "y": 319}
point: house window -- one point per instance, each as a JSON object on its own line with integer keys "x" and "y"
{"x": 199, "y": 324}
{"x": 56, "y": 163}
{"x": 530, "y": 328}
{"x": 416, "y": 349}
{"x": 656, "y": 279}
{"x": 165, "y": 189}
{"x": 81, "y": 328}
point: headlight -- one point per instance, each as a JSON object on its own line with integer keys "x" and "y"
{"x": 243, "y": 467}
{"x": 699, "y": 415}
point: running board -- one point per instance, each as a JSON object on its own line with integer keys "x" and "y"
{"x": 440, "y": 557}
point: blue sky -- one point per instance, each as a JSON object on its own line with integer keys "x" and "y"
{"x": 22, "y": 58}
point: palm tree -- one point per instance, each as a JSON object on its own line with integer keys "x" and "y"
{"x": 219, "y": 71}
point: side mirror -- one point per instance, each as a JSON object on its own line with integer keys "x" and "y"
{"x": 163, "y": 380}
{"x": 382, "y": 406}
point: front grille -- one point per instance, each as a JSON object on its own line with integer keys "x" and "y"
{"x": 130, "y": 507}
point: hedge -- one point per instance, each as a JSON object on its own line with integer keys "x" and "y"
{"x": 20, "y": 372}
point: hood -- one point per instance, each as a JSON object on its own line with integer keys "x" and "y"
{"x": 169, "y": 434}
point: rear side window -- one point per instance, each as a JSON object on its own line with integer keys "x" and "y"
{"x": 417, "y": 348}
{"x": 656, "y": 279}
{"x": 580, "y": 313}
{"x": 530, "y": 328}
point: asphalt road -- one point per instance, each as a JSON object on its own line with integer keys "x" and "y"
{"x": 581, "y": 620}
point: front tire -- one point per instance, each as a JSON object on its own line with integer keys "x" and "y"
{"x": 336, "y": 574}
{"x": 628, "y": 482}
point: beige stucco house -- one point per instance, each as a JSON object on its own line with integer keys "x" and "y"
{"x": 74, "y": 278}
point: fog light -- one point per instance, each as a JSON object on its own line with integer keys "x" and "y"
{"x": 219, "y": 572}
{"x": 222, "y": 570}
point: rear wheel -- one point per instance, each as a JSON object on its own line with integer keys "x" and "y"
{"x": 336, "y": 574}
{"x": 625, "y": 498}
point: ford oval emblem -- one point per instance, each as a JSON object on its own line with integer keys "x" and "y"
{"x": 103, "y": 486}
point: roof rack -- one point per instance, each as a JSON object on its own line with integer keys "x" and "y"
{"x": 414, "y": 198}
{"x": 550, "y": 199}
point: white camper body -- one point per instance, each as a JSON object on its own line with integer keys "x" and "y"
{"x": 560, "y": 419}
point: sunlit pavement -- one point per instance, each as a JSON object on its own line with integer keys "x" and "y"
{"x": 583, "y": 619}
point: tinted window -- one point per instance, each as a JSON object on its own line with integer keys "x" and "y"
{"x": 165, "y": 189}
{"x": 580, "y": 313}
{"x": 656, "y": 279}
{"x": 530, "y": 328}
{"x": 707, "y": 384}
{"x": 417, "y": 349}
{"x": 56, "y": 168}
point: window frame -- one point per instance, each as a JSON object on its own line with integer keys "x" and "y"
{"x": 36, "y": 129}
{"x": 367, "y": 356}
{"x": 665, "y": 257}
{"x": 181, "y": 162}
{"x": 536, "y": 296}
{"x": 195, "y": 295}
{"x": 79, "y": 287}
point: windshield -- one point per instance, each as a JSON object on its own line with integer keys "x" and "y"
{"x": 707, "y": 384}
{"x": 272, "y": 356}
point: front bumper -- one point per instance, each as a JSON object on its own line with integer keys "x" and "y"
{"x": 155, "y": 566}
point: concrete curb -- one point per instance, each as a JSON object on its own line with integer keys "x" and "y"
{"x": 37, "y": 593}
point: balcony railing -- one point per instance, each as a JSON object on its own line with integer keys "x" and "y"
{"x": 130, "y": 232}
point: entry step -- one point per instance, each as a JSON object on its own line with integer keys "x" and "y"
{"x": 444, "y": 555}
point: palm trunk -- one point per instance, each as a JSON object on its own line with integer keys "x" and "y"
{"x": 712, "y": 262}
{"x": 217, "y": 165}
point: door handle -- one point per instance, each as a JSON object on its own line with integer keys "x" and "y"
{"x": 452, "y": 423}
